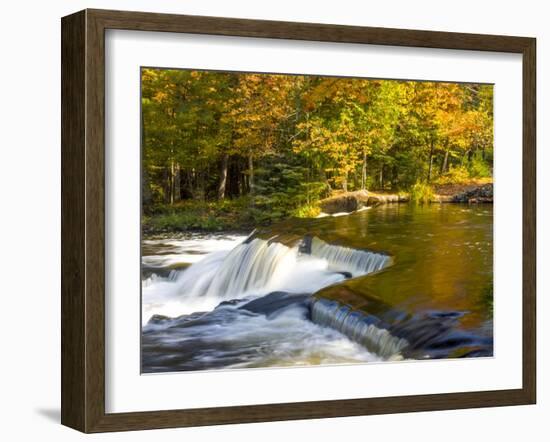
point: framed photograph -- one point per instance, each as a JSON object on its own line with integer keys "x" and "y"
{"x": 268, "y": 220}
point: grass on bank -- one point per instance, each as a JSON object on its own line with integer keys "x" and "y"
{"x": 422, "y": 193}
{"x": 199, "y": 215}
{"x": 237, "y": 214}
{"x": 246, "y": 213}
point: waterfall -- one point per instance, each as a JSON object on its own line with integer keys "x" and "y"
{"x": 258, "y": 266}
{"x": 356, "y": 262}
{"x": 253, "y": 268}
{"x": 357, "y": 326}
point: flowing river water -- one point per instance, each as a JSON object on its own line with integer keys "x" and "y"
{"x": 393, "y": 282}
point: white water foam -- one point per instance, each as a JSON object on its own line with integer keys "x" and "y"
{"x": 251, "y": 269}
{"x": 289, "y": 340}
{"x": 357, "y": 327}
{"x": 357, "y": 262}
{"x": 188, "y": 250}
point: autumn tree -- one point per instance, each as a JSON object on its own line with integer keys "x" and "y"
{"x": 282, "y": 141}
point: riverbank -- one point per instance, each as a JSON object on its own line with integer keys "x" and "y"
{"x": 242, "y": 215}
{"x": 230, "y": 215}
{"x": 472, "y": 192}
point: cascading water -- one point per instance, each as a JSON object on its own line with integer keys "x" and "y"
{"x": 255, "y": 268}
{"x": 356, "y": 262}
{"x": 249, "y": 270}
{"x": 358, "y": 327}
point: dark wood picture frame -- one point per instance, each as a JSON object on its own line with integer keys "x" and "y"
{"x": 83, "y": 217}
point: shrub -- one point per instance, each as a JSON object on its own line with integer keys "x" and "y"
{"x": 479, "y": 168}
{"x": 307, "y": 211}
{"x": 422, "y": 193}
{"x": 455, "y": 175}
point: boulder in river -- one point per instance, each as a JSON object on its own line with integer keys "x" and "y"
{"x": 345, "y": 202}
{"x": 353, "y": 201}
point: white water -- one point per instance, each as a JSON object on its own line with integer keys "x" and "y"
{"x": 228, "y": 268}
{"x": 189, "y": 250}
{"x": 230, "y": 337}
{"x": 355, "y": 326}
{"x": 357, "y": 262}
{"x": 250, "y": 269}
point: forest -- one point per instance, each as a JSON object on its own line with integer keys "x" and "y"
{"x": 227, "y": 151}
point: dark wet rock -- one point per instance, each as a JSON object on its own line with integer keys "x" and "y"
{"x": 164, "y": 272}
{"x": 231, "y": 302}
{"x": 167, "y": 322}
{"x": 305, "y": 245}
{"x": 276, "y": 302}
{"x": 481, "y": 194}
{"x": 480, "y": 200}
{"x": 430, "y": 334}
{"x": 181, "y": 344}
{"x": 440, "y": 335}
{"x": 159, "y": 319}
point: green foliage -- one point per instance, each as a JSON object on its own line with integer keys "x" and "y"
{"x": 307, "y": 211}
{"x": 464, "y": 173}
{"x": 455, "y": 175}
{"x": 486, "y": 300}
{"x": 479, "y": 168}
{"x": 283, "y": 188}
{"x": 198, "y": 215}
{"x": 422, "y": 193}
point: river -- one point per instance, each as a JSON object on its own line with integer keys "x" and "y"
{"x": 394, "y": 282}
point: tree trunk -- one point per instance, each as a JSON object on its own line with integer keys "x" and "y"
{"x": 223, "y": 176}
{"x": 184, "y": 183}
{"x": 172, "y": 182}
{"x": 233, "y": 179}
{"x": 146, "y": 196}
{"x": 445, "y": 163}
{"x": 345, "y": 182}
{"x": 177, "y": 183}
{"x": 395, "y": 177}
{"x": 364, "y": 172}
{"x": 431, "y": 161}
{"x": 381, "y": 177}
{"x": 251, "y": 174}
{"x": 166, "y": 185}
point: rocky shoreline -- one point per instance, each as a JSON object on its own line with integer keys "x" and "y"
{"x": 473, "y": 194}
{"x": 353, "y": 201}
